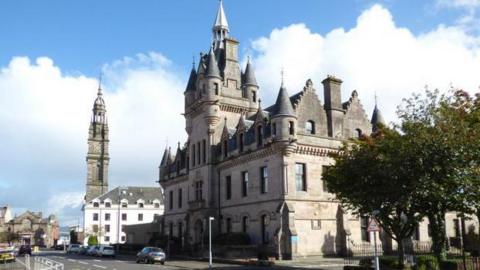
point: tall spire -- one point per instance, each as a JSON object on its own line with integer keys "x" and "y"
{"x": 220, "y": 26}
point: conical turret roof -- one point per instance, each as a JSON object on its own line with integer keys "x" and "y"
{"x": 283, "y": 106}
{"x": 212, "y": 66}
{"x": 192, "y": 80}
{"x": 377, "y": 119}
{"x": 221, "y": 18}
{"x": 250, "y": 75}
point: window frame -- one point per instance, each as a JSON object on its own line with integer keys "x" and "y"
{"x": 264, "y": 179}
{"x": 245, "y": 180}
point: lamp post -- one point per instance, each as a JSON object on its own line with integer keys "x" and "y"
{"x": 377, "y": 263}
{"x": 210, "y": 241}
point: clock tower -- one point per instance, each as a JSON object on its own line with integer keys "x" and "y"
{"x": 97, "y": 156}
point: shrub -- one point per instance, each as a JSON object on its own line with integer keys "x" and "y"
{"x": 426, "y": 263}
{"x": 92, "y": 240}
{"x": 449, "y": 265}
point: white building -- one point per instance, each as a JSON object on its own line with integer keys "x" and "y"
{"x": 103, "y": 215}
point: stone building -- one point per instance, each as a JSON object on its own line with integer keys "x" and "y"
{"x": 106, "y": 213}
{"x": 5, "y": 216}
{"x": 33, "y": 229}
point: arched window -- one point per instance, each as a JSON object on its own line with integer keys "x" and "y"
{"x": 359, "y": 132}
{"x": 310, "y": 127}
{"x": 259, "y": 135}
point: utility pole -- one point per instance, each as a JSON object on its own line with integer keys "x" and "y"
{"x": 210, "y": 241}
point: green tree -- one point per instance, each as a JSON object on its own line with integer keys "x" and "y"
{"x": 378, "y": 174}
{"x": 92, "y": 240}
{"x": 431, "y": 123}
{"x": 73, "y": 237}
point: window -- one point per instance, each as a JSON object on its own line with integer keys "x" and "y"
{"x": 244, "y": 184}
{"x": 274, "y": 129}
{"x": 140, "y": 205}
{"x": 107, "y": 216}
{"x": 124, "y": 205}
{"x": 225, "y": 148}
{"x": 204, "y": 153}
{"x": 244, "y": 224}
{"x": 95, "y": 228}
{"x": 310, "y": 127}
{"x": 180, "y": 198}
{"x": 180, "y": 232}
{"x": 456, "y": 227}
{"x": 95, "y": 204}
{"x": 198, "y": 153}
{"x": 254, "y": 96}
{"x": 228, "y": 187}
{"x": 324, "y": 183}
{"x": 216, "y": 88}
{"x": 107, "y": 238}
{"x": 107, "y": 228}
{"x": 108, "y": 205}
{"x": 124, "y": 216}
{"x": 416, "y": 233}
{"x": 140, "y": 217}
{"x": 240, "y": 142}
{"x": 193, "y": 155}
{"x": 359, "y": 133}
{"x": 123, "y": 238}
{"x": 263, "y": 224}
{"x": 95, "y": 216}
{"x": 300, "y": 179}
{"x": 264, "y": 179}
{"x": 364, "y": 229}
{"x": 170, "y": 200}
{"x": 156, "y": 205}
{"x": 291, "y": 127}
{"x": 259, "y": 136}
{"x": 229, "y": 225}
{"x": 198, "y": 190}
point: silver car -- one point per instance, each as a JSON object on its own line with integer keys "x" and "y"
{"x": 151, "y": 255}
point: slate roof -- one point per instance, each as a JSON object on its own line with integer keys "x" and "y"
{"x": 283, "y": 105}
{"x": 133, "y": 194}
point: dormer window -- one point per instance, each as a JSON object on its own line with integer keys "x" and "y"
{"x": 124, "y": 204}
{"x": 95, "y": 204}
{"x": 310, "y": 127}
{"x": 108, "y": 204}
{"x": 140, "y": 205}
{"x": 260, "y": 135}
{"x": 240, "y": 142}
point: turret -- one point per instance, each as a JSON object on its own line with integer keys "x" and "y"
{"x": 212, "y": 84}
{"x": 250, "y": 88}
{"x": 284, "y": 120}
{"x": 377, "y": 118}
{"x": 191, "y": 87}
{"x": 333, "y": 106}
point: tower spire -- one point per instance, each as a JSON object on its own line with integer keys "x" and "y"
{"x": 220, "y": 28}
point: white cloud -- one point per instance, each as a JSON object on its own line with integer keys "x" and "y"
{"x": 374, "y": 56}
{"x": 44, "y": 119}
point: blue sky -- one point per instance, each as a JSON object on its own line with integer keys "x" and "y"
{"x": 51, "y": 53}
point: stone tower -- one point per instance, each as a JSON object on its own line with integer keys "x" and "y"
{"x": 97, "y": 156}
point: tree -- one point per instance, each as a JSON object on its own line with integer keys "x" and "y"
{"x": 92, "y": 240}
{"x": 432, "y": 125}
{"x": 73, "y": 237}
{"x": 378, "y": 173}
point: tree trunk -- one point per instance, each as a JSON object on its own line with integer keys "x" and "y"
{"x": 401, "y": 252}
{"x": 439, "y": 239}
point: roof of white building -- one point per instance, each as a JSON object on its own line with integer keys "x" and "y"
{"x": 132, "y": 195}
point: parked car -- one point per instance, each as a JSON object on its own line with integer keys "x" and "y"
{"x": 82, "y": 250}
{"x": 151, "y": 255}
{"x": 7, "y": 255}
{"x": 73, "y": 248}
{"x": 92, "y": 250}
{"x": 25, "y": 249}
{"x": 106, "y": 251}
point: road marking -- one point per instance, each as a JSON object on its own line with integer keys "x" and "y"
{"x": 82, "y": 262}
{"x": 72, "y": 260}
{"x": 98, "y": 260}
{"x": 99, "y": 266}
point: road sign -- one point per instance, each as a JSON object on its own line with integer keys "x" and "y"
{"x": 373, "y": 226}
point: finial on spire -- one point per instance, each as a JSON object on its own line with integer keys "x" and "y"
{"x": 282, "y": 74}
{"x": 193, "y": 61}
{"x": 375, "y": 99}
{"x": 100, "y": 84}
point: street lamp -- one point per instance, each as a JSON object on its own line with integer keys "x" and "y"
{"x": 210, "y": 241}
{"x": 377, "y": 263}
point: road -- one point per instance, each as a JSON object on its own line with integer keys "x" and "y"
{"x": 78, "y": 262}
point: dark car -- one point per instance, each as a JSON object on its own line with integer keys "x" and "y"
{"x": 151, "y": 255}
{"x": 25, "y": 249}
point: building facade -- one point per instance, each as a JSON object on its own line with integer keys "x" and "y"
{"x": 33, "y": 229}
{"x": 259, "y": 170}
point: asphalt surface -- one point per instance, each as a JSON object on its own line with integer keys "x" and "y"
{"x": 79, "y": 262}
